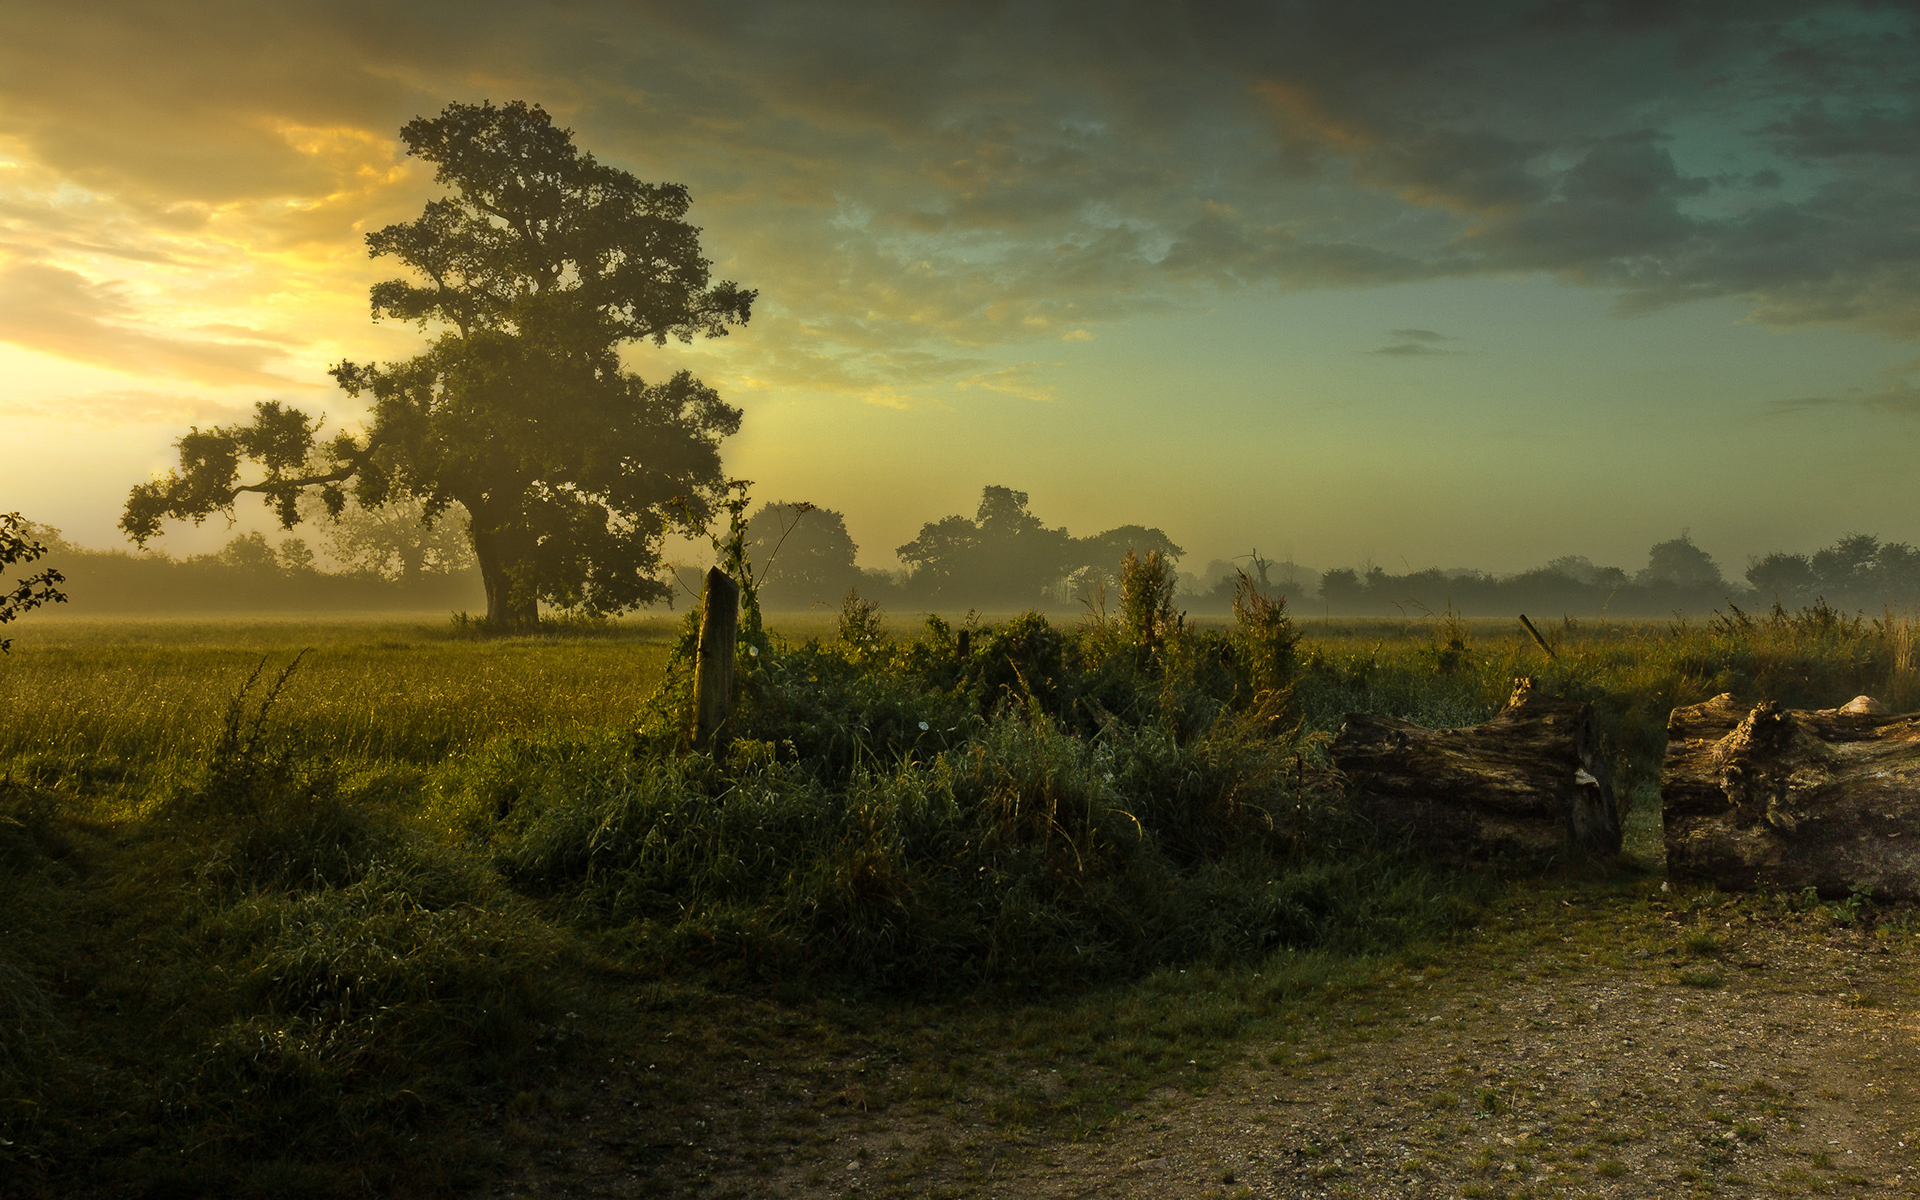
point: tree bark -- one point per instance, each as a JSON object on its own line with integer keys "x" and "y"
{"x": 511, "y": 602}
{"x": 1531, "y": 781}
{"x": 713, "y": 667}
{"x": 1757, "y": 796}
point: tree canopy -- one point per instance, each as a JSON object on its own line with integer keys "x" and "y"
{"x": 534, "y": 270}
{"x": 802, "y": 554}
{"x": 1007, "y": 556}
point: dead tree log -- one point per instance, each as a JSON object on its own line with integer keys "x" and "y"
{"x": 1761, "y": 796}
{"x": 1531, "y": 781}
{"x": 713, "y": 664}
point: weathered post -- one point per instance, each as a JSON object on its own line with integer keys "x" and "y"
{"x": 713, "y": 665}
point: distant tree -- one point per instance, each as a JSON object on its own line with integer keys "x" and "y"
{"x": 19, "y": 546}
{"x": 251, "y": 553}
{"x": 296, "y": 557}
{"x": 536, "y": 269}
{"x": 1846, "y": 567}
{"x": 1577, "y": 567}
{"x": 1896, "y": 572}
{"x": 1784, "y": 579}
{"x": 1007, "y": 556}
{"x": 1679, "y": 563}
{"x": 1859, "y": 570}
{"x": 1341, "y": 586}
{"x": 802, "y": 554}
{"x": 398, "y": 541}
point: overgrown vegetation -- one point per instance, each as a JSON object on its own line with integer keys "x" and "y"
{"x": 274, "y": 930}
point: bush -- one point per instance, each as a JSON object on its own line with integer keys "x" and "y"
{"x": 1047, "y": 808}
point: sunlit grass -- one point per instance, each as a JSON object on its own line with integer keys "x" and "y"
{"x": 138, "y": 703}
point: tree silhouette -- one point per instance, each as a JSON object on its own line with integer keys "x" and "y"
{"x": 535, "y": 270}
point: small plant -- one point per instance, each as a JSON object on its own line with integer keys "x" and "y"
{"x": 1847, "y": 911}
{"x": 861, "y": 623}
{"x": 246, "y": 766}
{"x": 1147, "y": 614}
{"x": 1264, "y": 637}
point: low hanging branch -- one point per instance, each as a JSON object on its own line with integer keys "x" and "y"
{"x": 1530, "y": 781}
{"x": 280, "y": 440}
{"x": 1759, "y": 796}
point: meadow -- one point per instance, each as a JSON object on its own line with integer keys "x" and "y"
{"x": 324, "y": 907}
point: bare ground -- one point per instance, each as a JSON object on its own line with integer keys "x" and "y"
{"x": 1618, "y": 1046}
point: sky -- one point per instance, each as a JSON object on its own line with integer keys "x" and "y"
{"x": 1409, "y": 284}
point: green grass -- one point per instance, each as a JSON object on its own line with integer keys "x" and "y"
{"x": 343, "y": 957}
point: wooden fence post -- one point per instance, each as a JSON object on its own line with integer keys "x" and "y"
{"x": 713, "y": 666}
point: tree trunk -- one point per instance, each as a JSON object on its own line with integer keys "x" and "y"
{"x": 1761, "y": 796}
{"x": 713, "y": 667}
{"x": 507, "y": 576}
{"x": 1530, "y": 781}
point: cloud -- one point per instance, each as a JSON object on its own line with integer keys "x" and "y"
{"x": 62, "y": 313}
{"x": 912, "y": 189}
{"x": 1901, "y": 397}
{"x": 1416, "y": 343}
{"x": 115, "y": 409}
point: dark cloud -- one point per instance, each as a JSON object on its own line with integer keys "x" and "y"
{"x": 933, "y": 179}
{"x": 1413, "y": 350}
{"x": 1901, "y": 397}
{"x": 1419, "y": 335}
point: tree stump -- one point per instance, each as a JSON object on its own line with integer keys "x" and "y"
{"x": 1761, "y": 796}
{"x": 1529, "y": 782}
{"x": 713, "y": 663}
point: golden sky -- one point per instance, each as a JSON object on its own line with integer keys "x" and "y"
{"x": 1455, "y": 285}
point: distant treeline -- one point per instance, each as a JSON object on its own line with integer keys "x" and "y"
{"x": 249, "y": 575}
{"x": 1002, "y": 559}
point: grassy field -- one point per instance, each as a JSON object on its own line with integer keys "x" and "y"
{"x": 389, "y": 928}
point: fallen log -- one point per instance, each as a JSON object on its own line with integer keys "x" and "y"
{"x": 1759, "y": 796}
{"x": 1531, "y": 781}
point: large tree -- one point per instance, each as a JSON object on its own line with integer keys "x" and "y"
{"x": 532, "y": 273}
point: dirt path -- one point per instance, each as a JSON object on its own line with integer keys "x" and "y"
{"x": 1720, "y": 1054}
{"x": 1600, "y": 1083}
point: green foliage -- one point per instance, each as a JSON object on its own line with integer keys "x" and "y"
{"x": 1264, "y": 637}
{"x": 1048, "y": 806}
{"x": 18, "y": 547}
{"x": 1147, "y": 615}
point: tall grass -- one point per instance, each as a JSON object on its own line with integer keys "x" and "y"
{"x": 132, "y": 706}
